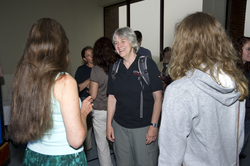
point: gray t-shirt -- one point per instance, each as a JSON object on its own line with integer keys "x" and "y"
{"x": 99, "y": 76}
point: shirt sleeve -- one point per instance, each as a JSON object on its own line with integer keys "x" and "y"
{"x": 175, "y": 126}
{"x": 154, "y": 76}
{"x": 94, "y": 74}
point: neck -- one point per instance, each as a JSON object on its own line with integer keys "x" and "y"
{"x": 129, "y": 60}
{"x": 90, "y": 65}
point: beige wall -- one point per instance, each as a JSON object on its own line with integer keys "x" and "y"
{"x": 82, "y": 21}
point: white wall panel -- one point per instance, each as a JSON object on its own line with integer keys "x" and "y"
{"x": 145, "y": 17}
{"x": 174, "y": 13}
{"x": 247, "y": 20}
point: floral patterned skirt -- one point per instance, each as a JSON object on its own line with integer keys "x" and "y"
{"x": 32, "y": 158}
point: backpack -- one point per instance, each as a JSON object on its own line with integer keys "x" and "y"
{"x": 143, "y": 70}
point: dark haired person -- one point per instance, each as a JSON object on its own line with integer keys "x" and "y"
{"x": 242, "y": 46}
{"x": 82, "y": 74}
{"x": 82, "y": 77}
{"x": 203, "y": 109}
{"x": 142, "y": 50}
{"x": 104, "y": 56}
{"x": 163, "y": 66}
{"x": 46, "y": 111}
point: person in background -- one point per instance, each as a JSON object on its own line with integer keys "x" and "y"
{"x": 163, "y": 65}
{"x": 242, "y": 46}
{"x": 134, "y": 136}
{"x": 82, "y": 77}
{"x": 82, "y": 74}
{"x": 46, "y": 111}
{"x": 104, "y": 57}
{"x": 203, "y": 108}
{"x": 142, "y": 50}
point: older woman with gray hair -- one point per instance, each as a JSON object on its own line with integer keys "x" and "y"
{"x": 133, "y": 132}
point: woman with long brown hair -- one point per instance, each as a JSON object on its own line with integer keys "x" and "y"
{"x": 204, "y": 107}
{"x": 45, "y": 107}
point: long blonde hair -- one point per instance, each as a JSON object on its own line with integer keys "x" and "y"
{"x": 201, "y": 43}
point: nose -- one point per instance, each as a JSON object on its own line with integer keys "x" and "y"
{"x": 118, "y": 45}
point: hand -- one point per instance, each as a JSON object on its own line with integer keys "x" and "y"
{"x": 87, "y": 105}
{"x": 151, "y": 135}
{"x": 110, "y": 133}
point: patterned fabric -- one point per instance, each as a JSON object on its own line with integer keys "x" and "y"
{"x": 32, "y": 158}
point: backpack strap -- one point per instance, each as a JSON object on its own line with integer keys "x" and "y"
{"x": 141, "y": 96}
{"x": 142, "y": 65}
{"x": 115, "y": 69}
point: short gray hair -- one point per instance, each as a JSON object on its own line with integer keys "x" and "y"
{"x": 129, "y": 34}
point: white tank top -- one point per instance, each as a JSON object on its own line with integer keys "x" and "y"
{"x": 54, "y": 142}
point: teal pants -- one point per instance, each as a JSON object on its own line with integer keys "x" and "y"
{"x": 32, "y": 158}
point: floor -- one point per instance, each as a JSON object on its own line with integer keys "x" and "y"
{"x": 17, "y": 154}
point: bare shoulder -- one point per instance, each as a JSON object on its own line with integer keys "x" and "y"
{"x": 64, "y": 84}
{"x": 65, "y": 80}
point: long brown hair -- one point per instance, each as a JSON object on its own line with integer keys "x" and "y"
{"x": 104, "y": 54}
{"x": 201, "y": 43}
{"x": 45, "y": 55}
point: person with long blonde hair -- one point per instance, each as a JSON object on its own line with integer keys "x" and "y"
{"x": 45, "y": 107}
{"x": 202, "y": 105}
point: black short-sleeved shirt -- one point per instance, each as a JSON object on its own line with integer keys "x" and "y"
{"x": 82, "y": 74}
{"x": 126, "y": 88}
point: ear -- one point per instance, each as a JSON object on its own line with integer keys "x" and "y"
{"x": 84, "y": 59}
